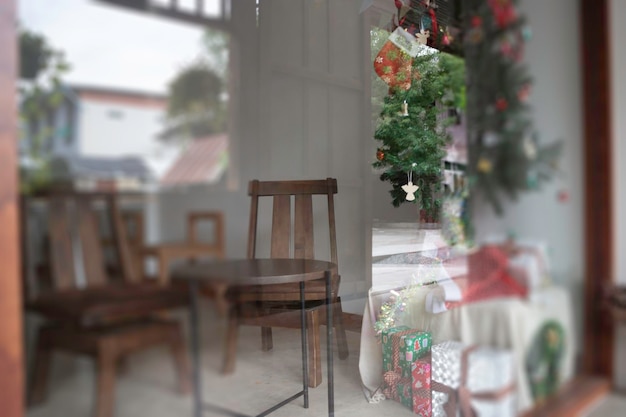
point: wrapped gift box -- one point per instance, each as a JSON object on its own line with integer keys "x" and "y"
{"x": 407, "y": 368}
{"x": 420, "y": 386}
{"x": 390, "y": 362}
{"x": 490, "y": 378}
{"x": 412, "y": 347}
{"x": 413, "y": 392}
{"x": 446, "y": 362}
{"x": 492, "y": 371}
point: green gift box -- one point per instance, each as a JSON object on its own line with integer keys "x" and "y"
{"x": 387, "y": 342}
{"x": 412, "y": 347}
{"x": 405, "y": 393}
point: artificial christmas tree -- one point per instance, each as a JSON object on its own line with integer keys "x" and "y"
{"x": 412, "y": 129}
{"x": 505, "y": 155}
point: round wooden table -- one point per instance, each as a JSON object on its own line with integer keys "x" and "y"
{"x": 246, "y": 272}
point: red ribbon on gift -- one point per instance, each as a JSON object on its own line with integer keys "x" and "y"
{"x": 489, "y": 276}
{"x": 391, "y": 379}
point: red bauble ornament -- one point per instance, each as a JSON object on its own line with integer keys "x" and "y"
{"x": 502, "y": 104}
{"x": 523, "y": 93}
{"x": 506, "y": 48}
{"x": 380, "y": 155}
{"x": 503, "y": 11}
{"x": 477, "y": 21}
{"x": 563, "y": 196}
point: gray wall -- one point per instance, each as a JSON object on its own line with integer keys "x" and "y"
{"x": 299, "y": 95}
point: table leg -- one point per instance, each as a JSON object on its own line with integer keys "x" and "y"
{"x": 195, "y": 349}
{"x": 305, "y": 359}
{"x": 329, "y": 345}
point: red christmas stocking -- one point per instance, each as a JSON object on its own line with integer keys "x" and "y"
{"x": 394, "y": 66}
{"x": 394, "y": 62}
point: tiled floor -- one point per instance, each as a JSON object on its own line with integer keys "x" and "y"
{"x": 261, "y": 379}
{"x": 147, "y": 389}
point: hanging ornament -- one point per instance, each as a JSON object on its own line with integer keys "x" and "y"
{"x": 380, "y": 155}
{"x": 523, "y": 93}
{"x": 506, "y": 49}
{"x": 484, "y": 165}
{"x": 491, "y": 139}
{"x": 429, "y": 20}
{"x": 530, "y": 149}
{"x": 394, "y": 61}
{"x": 410, "y": 188}
{"x": 447, "y": 38}
{"x": 476, "y": 35}
{"x": 422, "y": 36}
{"x": 405, "y": 109}
{"x": 527, "y": 33}
{"x": 502, "y": 104}
{"x": 503, "y": 11}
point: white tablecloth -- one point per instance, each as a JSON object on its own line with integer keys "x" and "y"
{"x": 506, "y": 323}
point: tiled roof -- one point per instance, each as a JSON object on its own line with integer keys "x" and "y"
{"x": 201, "y": 162}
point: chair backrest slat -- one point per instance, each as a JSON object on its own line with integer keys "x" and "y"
{"x": 253, "y": 191}
{"x": 62, "y": 260}
{"x": 75, "y": 256}
{"x": 91, "y": 244}
{"x": 304, "y": 241}
{"x": 281, "y": 227}
{"x": 311, "y": 187}
{"x": 120, "y": 236}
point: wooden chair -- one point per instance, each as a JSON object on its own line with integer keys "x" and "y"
{"x": 88, "y": 314}
{"x": 272, "y": 305}
{"x": 192, "y": 247}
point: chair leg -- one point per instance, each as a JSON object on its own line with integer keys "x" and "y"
{"x": 43, "y": 357}
{"x": 315, "y": 354}
{"x": 105, "y": 385}
{"x": 266, "y": 339}
{"x": 230, "y": 345}
{"x": 181, "y": 361}
{"x": 340, "y": 331}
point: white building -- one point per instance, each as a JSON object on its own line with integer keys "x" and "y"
{"x": 106, "y": 134}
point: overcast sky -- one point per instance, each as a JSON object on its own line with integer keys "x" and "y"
{"x": 111, "y": 47}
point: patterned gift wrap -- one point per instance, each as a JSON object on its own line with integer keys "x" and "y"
{"x": 439, "y": 399}
{"x": 387, "y": 342}
{"x": 446, "y": 363}
{"x": 405, "y": 395}
{"x": 490, "y": 379}
{"x": 414, "y": 392}
{"x": 420, "y": 387}
{"x": 413, "y": 347}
